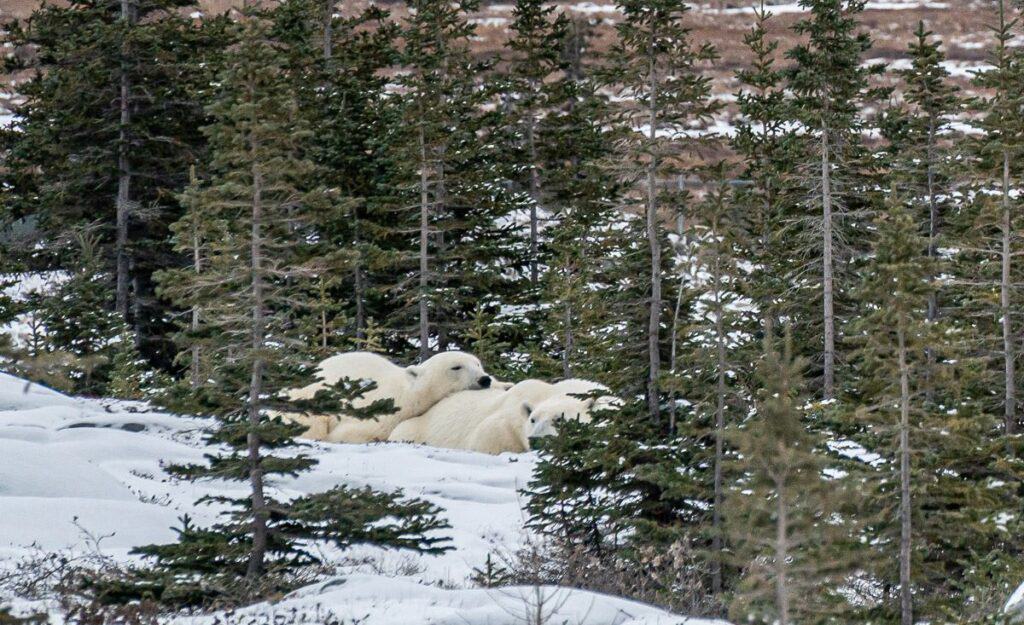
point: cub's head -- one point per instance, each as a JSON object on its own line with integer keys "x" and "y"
{"x": 543, "y": 420}
{"x": 452, "y": 371}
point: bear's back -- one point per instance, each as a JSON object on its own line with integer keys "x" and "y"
{"x": 392, "y": 381}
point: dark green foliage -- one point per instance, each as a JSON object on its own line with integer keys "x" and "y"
{"x": 62, "y": 162}
{"x": 256, "y": 217}
{"x": 830, "y": 85}
{"x": 655, "y": 71}
{"x": 317, "y": 177}
{"x": 711, "y": 332}
{"x": 447, "y": 194}
{"x": 957, "y": 475}
{"x": 339, "y": 61}
{"x": 206, "y": 567}
{"x": 620, "y": 493}
{"x": 785, "y": 518}
{"x": 130, "y": 377}
{"x": 989, "y": 223}
{"x": 6, "y": 618}
{"x": 78, "y": 321}
{"x": 765, "y": 142}
{"x": 585, "y": 228}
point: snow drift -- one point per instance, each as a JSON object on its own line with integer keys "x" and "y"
{"x": 79, "y": 475}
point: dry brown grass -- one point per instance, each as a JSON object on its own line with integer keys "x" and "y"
{"x": 962, "y": 24}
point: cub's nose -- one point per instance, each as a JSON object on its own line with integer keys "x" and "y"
{"x": 484, "y": 382}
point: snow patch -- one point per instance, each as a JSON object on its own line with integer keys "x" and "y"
{"x": 78, "y": 474}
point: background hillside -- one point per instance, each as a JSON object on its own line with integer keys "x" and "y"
{"x": 963, "y": 25}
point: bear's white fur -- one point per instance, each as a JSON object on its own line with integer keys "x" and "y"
{"x": 491, "y": 418}
{"x": 495, "y": 422}
{"x": 543, "y": 421}
{"x": 414, "y": 390}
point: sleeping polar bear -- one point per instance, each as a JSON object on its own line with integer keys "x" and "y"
{"x": 543, "y": 420}
{"x": 453, "y": 420}
{"x": 495, "y": 422}
{"x": 414, "y": 390}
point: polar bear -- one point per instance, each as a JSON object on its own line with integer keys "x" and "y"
{"x": 495, "y": 422}
{"x": 455, "y": 420}
{"x": 513, "y": 431}
{"x": 413, "y": 389}
{"x": 543, "y": 420}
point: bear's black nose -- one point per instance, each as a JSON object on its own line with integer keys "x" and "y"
{"x": 485, "y": 382}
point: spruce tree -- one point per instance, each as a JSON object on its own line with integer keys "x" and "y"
{"x": 765, "y": 142}
{"x": 256, "y": 213}
{"x": 585, "y": 227}
{"x": 935, "y": 512}
{"x": 897, "y": 282}
{"x": 829, "y": 84}
{"x": 447, "y": 187}
{"x": 996, "y": 229}
{"x": 107, "y": 127}
{"x": 532, "y": 91}
{"x": 339, "y": 58}
{"x": 656, "y": 75}
{"x": 781, "y": 511}
{"x": 925, "y": 154}
{"x": 79, "y": 325}
{"x": 260, "y": 201}
{"x": 713, "y": 341}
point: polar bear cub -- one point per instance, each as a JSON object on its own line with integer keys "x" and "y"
{"x": 414, "y": 390}
{"x": 495, "y": 422}
{"x": 455, "y": 419}
{"x": 543, "y": 420}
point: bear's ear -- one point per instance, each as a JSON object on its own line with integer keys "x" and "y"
{"x": 413, "y": 371}
{"x": 527, "y": 408}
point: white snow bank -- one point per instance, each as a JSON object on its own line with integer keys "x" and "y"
{"x": 1015, "y": 605}
{"x": 78, "y": 475}
{"x": 401, "y": 602}
{"x": 17, "y": 394}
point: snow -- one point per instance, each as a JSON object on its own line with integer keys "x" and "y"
{"x": 19, "y": 287}
{"x": 1015, "y": 605}
{"x": 78, "y": 475}
{"x": 398, "y": 602}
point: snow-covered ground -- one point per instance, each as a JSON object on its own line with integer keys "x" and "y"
{"x": 78, "y": 475}
{"x": 1015, "y": 605}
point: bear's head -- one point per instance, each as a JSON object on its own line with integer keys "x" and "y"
{"x": 450, "y": 372}
{"x": 543, "y": 419}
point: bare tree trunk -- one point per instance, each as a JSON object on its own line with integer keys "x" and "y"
{"x": 906, "y": 594}
{"x": 535, "y": 198}
{"x": 654, "y": 320}
{"x": 569, "y": 343}
{"x": 673, "y": 354}
{"x": 673, "y": 350}
{"x": 828, "y": 386}
{"x": 933, "y": 218}
{"x": 424, "y": 249}
{"x": 258, "y": 497}
{"x": 1010, "y": 409}
{"x": 325, "y": 329}
{"x": 720, "y": 365}
{"x": 781, "y": 551}
{"x": 197, "y": 266}
{"x": 933, "y": 235}
{"x": 328, "y": 43}
{"x": 359, "y": 286}
{"x": 124, "y": 179}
